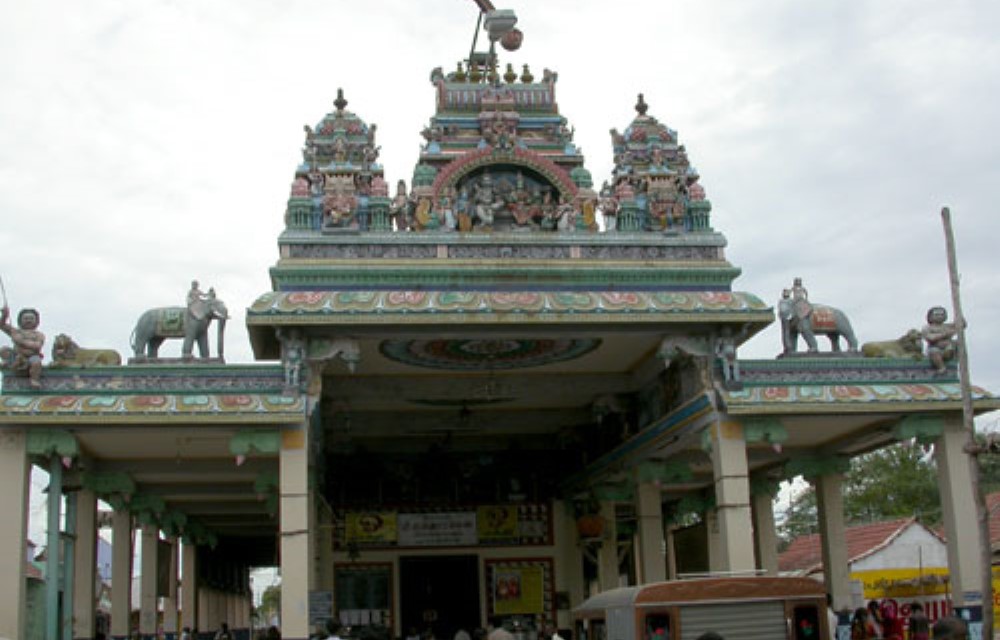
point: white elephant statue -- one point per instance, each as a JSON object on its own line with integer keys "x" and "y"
{"x": 156, "y": 325}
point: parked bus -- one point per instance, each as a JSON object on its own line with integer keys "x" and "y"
{"x": 737, "y": 608}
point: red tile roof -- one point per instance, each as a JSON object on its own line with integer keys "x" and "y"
{"x": 31, "y": 571}
{"x": 993, "y": 508}
{"x": 804, "y": 553}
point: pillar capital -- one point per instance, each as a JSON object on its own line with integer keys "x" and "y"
{"x": 926, "y": 428}
{"x": 663, "y": 472}
{"x": 815, "y": 466}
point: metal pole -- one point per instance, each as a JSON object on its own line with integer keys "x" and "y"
{"x": 969, "y": 424}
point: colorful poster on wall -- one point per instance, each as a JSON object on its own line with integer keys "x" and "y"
{"x": 518, "y": 589}
{"x": 497, "y": 522}
{"x": 371, "y": 527}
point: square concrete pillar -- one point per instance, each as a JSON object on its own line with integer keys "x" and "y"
{"x": 732, "y": 496}
{"x": 960, "y": 515}
{"x": 15, "y": 480}
{"x": 296, "y": 511}
{"x": 569, "y": 558}
{"x": 833, "y": 537}
{"x": 607, "y": 554}
{"x": 121, "y": 574}
{"x": 651, "y": 562}
{"x": 714, "y": 542}
{"x": 170, "y": 600}
{"x": 765, "y": 534}
{"x": 148, "y": 579}
{"x": 324, "y": 547}
{"x": 189, "y": 590}
{"x": 85, "y": 566}
{"x": 205, "y": 625}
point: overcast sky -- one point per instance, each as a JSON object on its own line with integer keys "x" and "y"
{"x": 144, "y": 144}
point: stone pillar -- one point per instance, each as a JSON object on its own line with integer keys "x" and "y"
{"x": 296, "y": 509}
{"x": 324, "y": 548}
{"x": 650, "y": 554}
{"x": 732, "y": 496}
{"x": 671, "y": 553}
{"x": 170, "y": 600}
{"x": 121, "y": 574}
{"x": 765, "y": 535}
{"x": 569, "y": 561}
{"x": 714, "y": 542}
{"x": 189, "y": 590}
{"x": 833, "y": 537}
{"x": 148, "y": 579}
{"x": 14, "y": 478}
{"x": 85, "y": 564}
{"x": 68, "y": 569}
{"x": 607, "y": 554}
{"x": 52, "y": 583}
{"x": 958, "y": 506}
{"x": 229, "y": 609}
{"x": 205, "y": 625}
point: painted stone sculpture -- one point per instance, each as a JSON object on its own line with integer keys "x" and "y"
{"x": 25, "y": 357}
{"x": 190, "y": 323}
{"x": 799, "y": 316}
{"x": 67, "y": 353}
{"x": 941, "y": 338}
{"x": 908, "y": 345}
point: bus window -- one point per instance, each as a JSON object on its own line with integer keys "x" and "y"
{"x": 806, "y": 623}
{"x": 657, "y": 627}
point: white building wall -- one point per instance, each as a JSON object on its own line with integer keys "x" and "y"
{"x": 914, "y": 547}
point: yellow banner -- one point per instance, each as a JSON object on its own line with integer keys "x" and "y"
{"x": 371, "y": 526}
{"x": 518, "y": 590}
{"x": 902, "y": 583}
{"x": 496, "y": 522}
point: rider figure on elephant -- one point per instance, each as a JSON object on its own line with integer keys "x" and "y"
{"x": 800, "y": 299}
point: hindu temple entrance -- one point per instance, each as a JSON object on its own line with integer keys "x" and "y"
{"x": 440, "y": 593}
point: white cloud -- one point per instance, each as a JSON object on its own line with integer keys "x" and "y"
{"x": 146, "y": 144}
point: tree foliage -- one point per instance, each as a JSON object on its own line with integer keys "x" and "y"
{"x": 893, "y": 482}
{"x": 270, "y": 603}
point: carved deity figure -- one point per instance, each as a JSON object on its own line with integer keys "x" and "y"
{"x": 486, "y": 202}
{"x": 725, "y": 352}
{"x": 26, "y": 356}
{"x": 941, "y": 338}
{"x": 293, "y": 355}
{"x": 446, "y": 214}
{"x": 338, "y": 203}
{"x": 608, "y": 205}
{"x": 339, "y": 150}
{"x": 399, "y": 207}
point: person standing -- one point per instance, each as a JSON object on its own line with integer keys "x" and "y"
{"x": 951, "y": 628}
{"x": 223, "y": 633}
{"x": 920, "y": 626}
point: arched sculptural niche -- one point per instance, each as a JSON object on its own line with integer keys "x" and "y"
{"x": 510, "y": 198}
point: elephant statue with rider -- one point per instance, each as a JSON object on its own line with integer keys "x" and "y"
{"x": 799, "y": 317}
{"x": 190, "y": 323}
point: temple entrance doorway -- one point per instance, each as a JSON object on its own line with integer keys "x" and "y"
{"x": 440, "y": 593}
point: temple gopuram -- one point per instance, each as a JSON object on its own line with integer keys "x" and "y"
{"x": 481, "y": 396}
